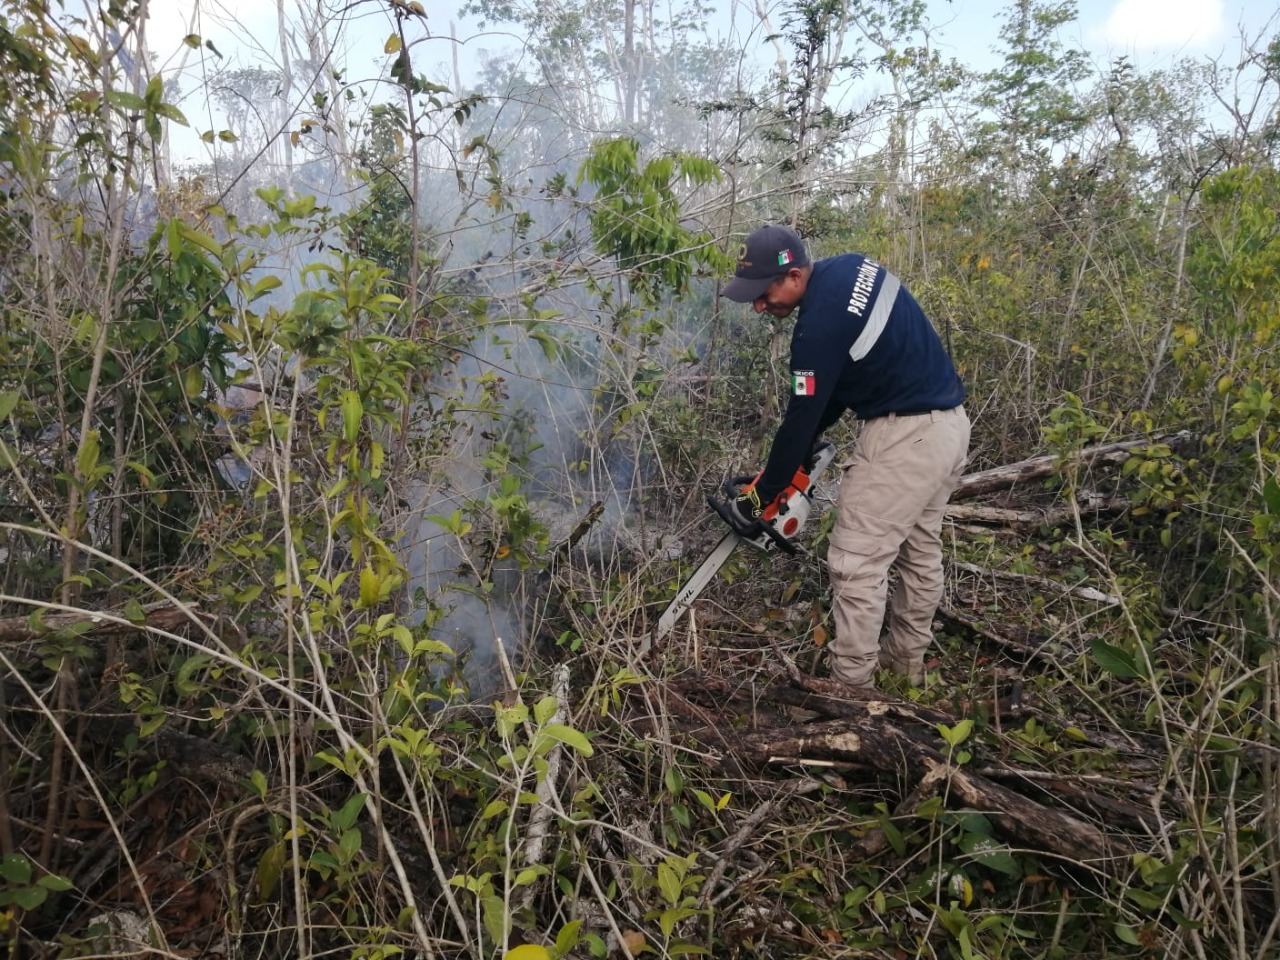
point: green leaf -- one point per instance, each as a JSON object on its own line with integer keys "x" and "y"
{"x": 87, "y": 456}
{"x": 545, "y": 709}
{"x": 126, "y": 100}
{"x": 493, "y": 809}
{"x": 170, "y": 112}
{"x": 8, "y": 400}
{"x": 567, "y": 938}
{"x": 550, "y": 346}
{"x": 28, "y": 898}
{"x": 571, "y": 737}
{"x": 352, "y": 413}
{"x": 1002, "y": 861}
{"x": 1144, "y": 898}
{"x": 15, "y": 868}
{"x": 1127, "y": 934}
{"x": 1270, "y": 495}
{"x": 200, "y": 239}
{"x": 345, "y": 818}
{"x": 154, "y": 91}
{"x": 349, "y": 845}
{"x": 370, "y": 587}
{"x": 268, "y": 872}
{"x": 133, "y": 612}
{"x": 954, "y": 736}
{"x": 192, "y": 382}
{"x": 54, "y": 882}
{"x": 528, "y": 875}
{"x": 527, "y": 951}
{"x": 189, "y": 667}
{"x": 1117, "y": 662}
{"x": 668, "y": 884}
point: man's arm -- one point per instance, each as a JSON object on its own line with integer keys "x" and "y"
{"x": 809, "y": 412}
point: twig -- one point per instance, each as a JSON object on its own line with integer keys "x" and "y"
{"x": 748, "y": 827}
{"x": 540, "y": 819}
{"x": 874, "y": 842}
{"x": 1084, "y": 593}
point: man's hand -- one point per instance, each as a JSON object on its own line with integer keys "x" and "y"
{"x": 745, "y": 510}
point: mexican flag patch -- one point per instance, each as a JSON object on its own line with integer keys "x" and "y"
{"x": 803, "y": 383}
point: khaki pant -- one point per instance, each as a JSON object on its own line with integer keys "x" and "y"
{"x": 892, "y": 498}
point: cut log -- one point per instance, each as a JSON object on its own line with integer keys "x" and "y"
{"x": 1009, "y": 475}
{"x": 157, "y": 616}
{"x": 1033, "y": 516}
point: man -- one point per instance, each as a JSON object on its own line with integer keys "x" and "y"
{"x": 862, "y": 343}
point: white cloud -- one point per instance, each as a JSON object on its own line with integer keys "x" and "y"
{"x": 1170, "y": 25}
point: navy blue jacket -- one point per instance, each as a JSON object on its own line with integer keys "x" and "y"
{"x": 861, "y": 343}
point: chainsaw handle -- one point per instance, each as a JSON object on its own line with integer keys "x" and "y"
{"x": 768, "y": 529}
{"x": 733, "y": 488}
{"x": 823, "y": 449}
{"x": 785, "y": 545}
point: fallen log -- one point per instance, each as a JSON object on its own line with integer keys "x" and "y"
{"x": 1009, "y": 475}
{"x": 156, "y": 616}
{"x": 868, "y": 734}
{"x": 875, "y": 742}
{"x": 1050, "y": 516}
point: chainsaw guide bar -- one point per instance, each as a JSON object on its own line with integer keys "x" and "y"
{"x": 781, "y": 522}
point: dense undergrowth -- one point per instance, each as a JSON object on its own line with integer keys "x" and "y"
{"x": 326, "y": 567}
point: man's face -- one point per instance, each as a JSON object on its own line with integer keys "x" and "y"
{"x": 781, "y": 297}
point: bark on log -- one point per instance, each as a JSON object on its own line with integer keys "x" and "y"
{"x": 158, "y": 616}
{"x": 1004, "y": 477}
{"x": 1033, "y": 516}
{"x": 190, "y": 756}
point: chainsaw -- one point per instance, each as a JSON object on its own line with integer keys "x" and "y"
{"x": 779, "y": 525}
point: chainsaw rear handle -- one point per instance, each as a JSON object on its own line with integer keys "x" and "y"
{"x": 722, "y": 507}
{"x": 777, "y": 525}
{"x": 733, "y": 488}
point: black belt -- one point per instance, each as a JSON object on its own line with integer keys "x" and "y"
{"x": 909, "y": 413}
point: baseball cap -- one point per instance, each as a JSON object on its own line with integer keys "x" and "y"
{"x": 767, "y": 254}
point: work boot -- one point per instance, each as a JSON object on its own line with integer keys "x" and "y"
{"x": 912, "y": 670}
{"x": 853, "y": 674}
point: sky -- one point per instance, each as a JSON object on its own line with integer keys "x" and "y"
{"x": 1151, "y": 33}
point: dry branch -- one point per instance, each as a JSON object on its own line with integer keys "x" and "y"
{"x": 194, "y": 757}
{"x": 1026, "y": 643}
{"x": 882, "y": 745}
{"x": 886, "y": 735}
{"x": 157, "y": 616}
{"x": 1042, "y": 583}
{"x": 1009, "y": 475}
{"x": 1050, "y": 516}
